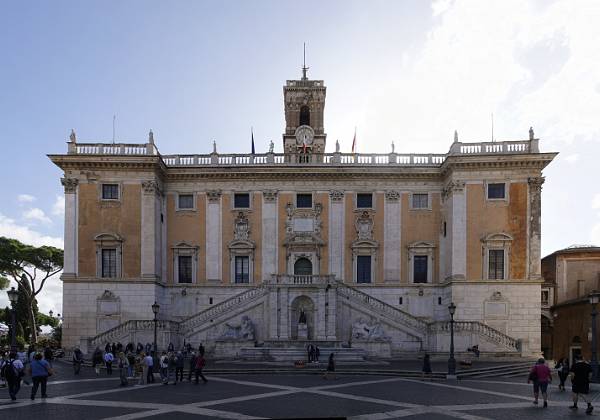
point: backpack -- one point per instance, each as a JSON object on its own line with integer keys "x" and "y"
{"x": 200, "y": 363}
{"x": 11, "y": 373}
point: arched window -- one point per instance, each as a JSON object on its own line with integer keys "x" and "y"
{"x": 302, "y": 267}
{"x": 304, "y": 115}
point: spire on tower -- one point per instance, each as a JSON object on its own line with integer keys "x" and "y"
{"x": 304, "y": 68}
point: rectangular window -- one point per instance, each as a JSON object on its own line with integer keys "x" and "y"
{"x": 363, "y": 269}
{"x": 496, "y": 191}
{"x": 185, "y": 201}
{"x": 242, "y": 269}
{"x": 420, "y": 269}
{"x": 364, "y": 201}
{"x": 185, "y": 268}
{"x": 545, "y": 296}
{"x": 496, "y": 264}
{"x": 241, "y": 201}
{"x": 420, "y": 201}
{"x": 109, "y": 262}
{"x": 110, "y": 191}
{"x": 304, "y": 201}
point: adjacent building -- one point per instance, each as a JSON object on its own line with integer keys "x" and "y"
{"x": 366, "y": 250}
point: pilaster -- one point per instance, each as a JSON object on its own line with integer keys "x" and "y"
{"x": 392, "y": 237}
{"x": 71, "y": 232}
{"x": 149, "y": 232}
{"x": 336, "y": 233}
{"x": 456, "y": 193}
{"x": 269, "y": 234}
{"x": 331, "y": 307}
{"x": 321, "y": 308}
{"x": 213, "y": 236}
{"x": 535, "y": 217}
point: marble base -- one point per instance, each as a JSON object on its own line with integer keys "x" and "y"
{"x": 302, "y": 332}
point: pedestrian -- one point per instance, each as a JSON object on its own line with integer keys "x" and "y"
{"x": 139, "y": 348}
{"x": 200, "y": 363}
{"x": 24, "y": 358}
{"x": 330, "y": 368}
{"x": 107, "y": 348}
{"x": 77, "y": 360}
{"x": 108, "y": 360}
{"x": 123, "y": 368}
{"x": 113, "y": 349}
{"x": 172, "y": 366}
{"x": 580, "y": 380}
{"x": 192, "y": 365}
{"x": 131, "y": 361}
{"x": 309, "y": 352}
{"x": 171, "y": 348}
{"x": 201, "y": 350}
{"x": 317, "y": 353}
{"x": 40, "y": 371}
{"x": 48, "y": 356}
{"x": 148, "y": 348}
{"x": 179, "y": 367}
{"x": 540, "y": 375}
{"x": 140, "y": 371}
{"x": 562, "y": 369}
{"x": 149, "y": 368}
{"x": 426, "y": 370}
{"x": 97, "y": 360}
{"x": 164, "y": 368}
{"x": 12, "y": 372}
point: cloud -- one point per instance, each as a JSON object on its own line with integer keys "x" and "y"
{"x": 10, "y": 229}
{"x": 572, "y": 158}
{"x": 58, "y": 208}
{"x": 440, "y": 6}
{"x": 37, "y": 215}
{"x": 25, "y": 198}
{"x": 596, "y": 202}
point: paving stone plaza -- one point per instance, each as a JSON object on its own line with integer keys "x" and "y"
{"x": 300, "y": 395}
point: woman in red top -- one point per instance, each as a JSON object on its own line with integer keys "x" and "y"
{"x": 541, "y": 376}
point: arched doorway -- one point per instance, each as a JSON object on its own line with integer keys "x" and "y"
{"x": 303, "y": 267}
{"x": 302, "y": 303}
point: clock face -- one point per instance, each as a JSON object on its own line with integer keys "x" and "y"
{"x": 304, "y": 135}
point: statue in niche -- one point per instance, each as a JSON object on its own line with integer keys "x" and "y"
{"x": 241, "y": 228}
{"x": 244, "y": 331}
{"x": 302, "y": 319}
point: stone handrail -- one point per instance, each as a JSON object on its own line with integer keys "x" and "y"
{"x": 481, "y": 329}
{"x": 115, "y": 333}
{"x": 382, "y": 307}
{"x": 301, "y": 279}
{"x": 222, "y": 307}
{"x": 319, "y": 159}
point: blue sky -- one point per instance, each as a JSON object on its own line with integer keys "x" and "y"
{"x": 196, "y": 71}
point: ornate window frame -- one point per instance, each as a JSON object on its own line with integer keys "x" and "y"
{"x": 361, "y": 209}
{"x": 194, "y": 201}
{"x": 241, "y": 246}
{"x": 364, "y": 245}
{"x": 496, "y": 241}
{"x": 309, "y": 255}
{"x": 312, "y": 201}
{"x": 185, "y": 249}
{"x": 421, "y": 248}
{"x": 506, "y": 190}
{"x": 410, "y": 201}
{"x": 101, "y": 185}
{"x": 109, "y": 241}
{"x": 250, "y": 196}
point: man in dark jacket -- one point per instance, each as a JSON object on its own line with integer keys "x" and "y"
{"x": 192, "y": 365}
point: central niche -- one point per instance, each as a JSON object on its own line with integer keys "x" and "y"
{"x": 303, "y": 267}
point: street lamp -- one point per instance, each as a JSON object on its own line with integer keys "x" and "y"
{"x": 13, "y": 296}
{"x": 594, "y": 298}
{"x": 451, "y": 360}
{"x": 155, "y": 308}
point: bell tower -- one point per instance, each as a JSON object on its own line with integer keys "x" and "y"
{"x": 304, "y": 102}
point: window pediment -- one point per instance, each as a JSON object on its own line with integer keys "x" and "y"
{"x": 421, "y": 245}
{"x": 108, "y": 237}
{"x": 241, "y": 244}
{"x": 185, "y": 245}
{"x": 499, "y": 237}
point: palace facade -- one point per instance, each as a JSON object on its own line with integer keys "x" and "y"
{"x": 249, "y": 253}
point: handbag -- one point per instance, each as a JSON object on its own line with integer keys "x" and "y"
{"x": 532, "y": 375}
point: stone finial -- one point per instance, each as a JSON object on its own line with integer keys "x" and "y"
{"x": 150, "y": 137}
{"x": 271, "y": 146}
{"x": 393, "y": 147}
{"x": 531, "y": 133}
{"x": 337, "y": 146}
{"x": 455, "y": 136}
{"x": 214, "y": 146}
{"x": 73, "y": 136}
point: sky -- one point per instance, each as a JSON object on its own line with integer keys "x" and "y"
{"x": 410, "y": 72}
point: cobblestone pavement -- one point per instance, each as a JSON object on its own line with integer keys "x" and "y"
{"x": 285, "y": 396}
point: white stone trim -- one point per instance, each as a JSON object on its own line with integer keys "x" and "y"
{"x": 250, "y": 201}
{"x": 269, "y": 233}
{"x": 109, "y": 241}
{"x": 119, "y": 185}
{"x": 361, "y": 209}
{"x": 336, "y": 234}
{"x": 312, "y": 256}
{"x": 312, "y": 201}
{"x": 410, "y": 200}
{"x": 364, "y": 248}
{"x": 506, "y": 183}
{"x": 213, "y": 238}
{"x": 421, "y": 248}
{"x": 239, "y": 250}
{"x": 392, "y": 237}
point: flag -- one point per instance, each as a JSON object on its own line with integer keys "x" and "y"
{"x": 252, "y": 134}
{"x": 354, "y": 142}
{"x": 304, "y": 144}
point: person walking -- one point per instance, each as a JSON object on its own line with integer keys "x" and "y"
{"x": 97, "y": 360}
{"x": 179, "y": 367}
{"x": 123, "y": 368}
{"x": 77, "y": 360}
{"x": 562, "y": 370}
{"x": 426, "y": 369}
{"x": 139, "y": 369}
{"x": 108, "y": 360}
{"x": 149, "y": 368}
{"x": 12, "y": 372}
{"x": 317, "y": 354}
{"x": 40, "y": 370}
{"x": 164, "y": 368}
{"x": 330, "y": 368}
{"x": 131, "y": 360}
{"x": 48, "y": 356}
{"x": 201, "y": 350}
{"x": 192, "y": 365}
{"x": 200, "y": 363}
{"x": 171, "y": 370}
{"x": 581, "y": 372}
{"x": 541, "y": 376}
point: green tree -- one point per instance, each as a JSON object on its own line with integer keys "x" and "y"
{"x": 30, "y": 267}
{"x": 4, "y": 283}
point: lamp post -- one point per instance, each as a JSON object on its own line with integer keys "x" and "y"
{"x": 451, "y": 360}
{"x": 13, "y": 296}
{"x": 155, "y": 308}
{"x": 594, "y": 298}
